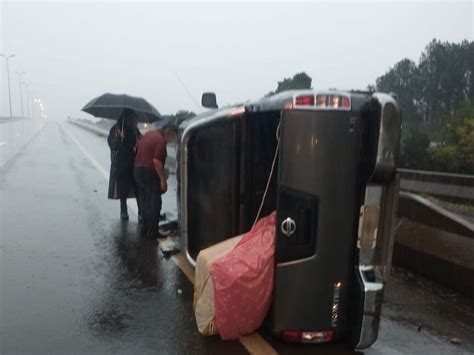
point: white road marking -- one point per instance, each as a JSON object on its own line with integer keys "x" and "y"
{"x": 2, "y": 143}
{"x": 183, "y": 264}
{"x": 254, "y": 343}
{"x": 94, "y": 162}
{"x": 98, "y": 166}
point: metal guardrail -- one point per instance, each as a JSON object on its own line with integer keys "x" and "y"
{"x": 444, "y": 185}
{"x": 99, "y": 131}
{"x": 435, "y": 243}
{"x": 12, "y": 119}
{"x": 435, "y": 176}
{"x": 451, "y": 186}
{"x": 420, "y": 210}
{"x": 410, "y": 205}
{"x": 170, "y": 161}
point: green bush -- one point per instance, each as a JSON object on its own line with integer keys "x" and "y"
{"x": 445, "y": 159}
{"x": 414, "y": 149}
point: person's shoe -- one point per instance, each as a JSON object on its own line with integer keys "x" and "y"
{"x": 124, "y": 216}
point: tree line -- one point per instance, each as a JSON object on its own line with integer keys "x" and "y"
{"x": 436, "y": 95}
{"x": 437, "y": 100}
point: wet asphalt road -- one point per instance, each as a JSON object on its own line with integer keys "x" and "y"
{"x": 74, "y": 279}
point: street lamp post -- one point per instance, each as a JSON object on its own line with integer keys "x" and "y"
{"x": 27, "y": 85}
{"x": 8, "y": 78}
{"x": 21, "y": 92}
{"x": 33, "y": 106}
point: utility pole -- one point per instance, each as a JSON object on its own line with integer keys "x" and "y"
{"x": 21, "y": 92}
{"x": 8, "y": 78}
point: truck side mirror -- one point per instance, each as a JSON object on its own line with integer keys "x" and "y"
{"x": 209, "y": 100}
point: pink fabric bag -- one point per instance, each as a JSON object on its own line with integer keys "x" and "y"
{"x": 243, "y": 281}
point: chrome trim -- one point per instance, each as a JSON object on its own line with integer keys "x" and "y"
{"x": 190, "y": 259}
{"x": 368, "y": 226}
{"x": 298, "y": 261}
{"x": 183, "y": 168}
{"x": 336, "y": 298}
{"x": 373, "y": 297}
{"x": 389, "y": 137}
{"x": 378, "y": 195}
{"x": 372, "y": 292}
{"x": 373, "y": 198}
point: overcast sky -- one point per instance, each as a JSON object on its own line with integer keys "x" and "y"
{"x": 72, "y": 52}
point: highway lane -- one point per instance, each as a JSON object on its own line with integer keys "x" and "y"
{"x": 14, "y": 136}
{"x": 75, "y": 279}
{"x": 97, "y": 150}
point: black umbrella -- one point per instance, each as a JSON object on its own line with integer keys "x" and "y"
{"x": 112, "y": 106}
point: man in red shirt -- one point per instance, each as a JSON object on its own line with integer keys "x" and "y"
{"x": 150, "y": 177}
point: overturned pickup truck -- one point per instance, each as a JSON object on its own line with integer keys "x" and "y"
{"x": 334, "y": 189}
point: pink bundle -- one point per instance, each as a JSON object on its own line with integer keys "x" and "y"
{"x": 243, "y": 281}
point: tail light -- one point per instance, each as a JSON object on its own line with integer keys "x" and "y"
{"x": 304, "y": 100}
{"x": 345, "y": 102}
{"x": 307, "y": 337}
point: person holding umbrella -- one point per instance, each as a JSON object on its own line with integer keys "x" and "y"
{"x": 127, "y": 110}
{"x": 122, "y": 139}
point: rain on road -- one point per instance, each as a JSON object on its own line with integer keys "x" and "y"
{"x": 74, "y": 279}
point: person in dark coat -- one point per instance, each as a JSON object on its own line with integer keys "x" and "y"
{"x": 122, "y": 139}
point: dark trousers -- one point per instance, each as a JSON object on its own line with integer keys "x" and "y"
{"x": 149, "y": 197}
{"x": 123, "y": 205}
{"x": 123, "y": 201}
